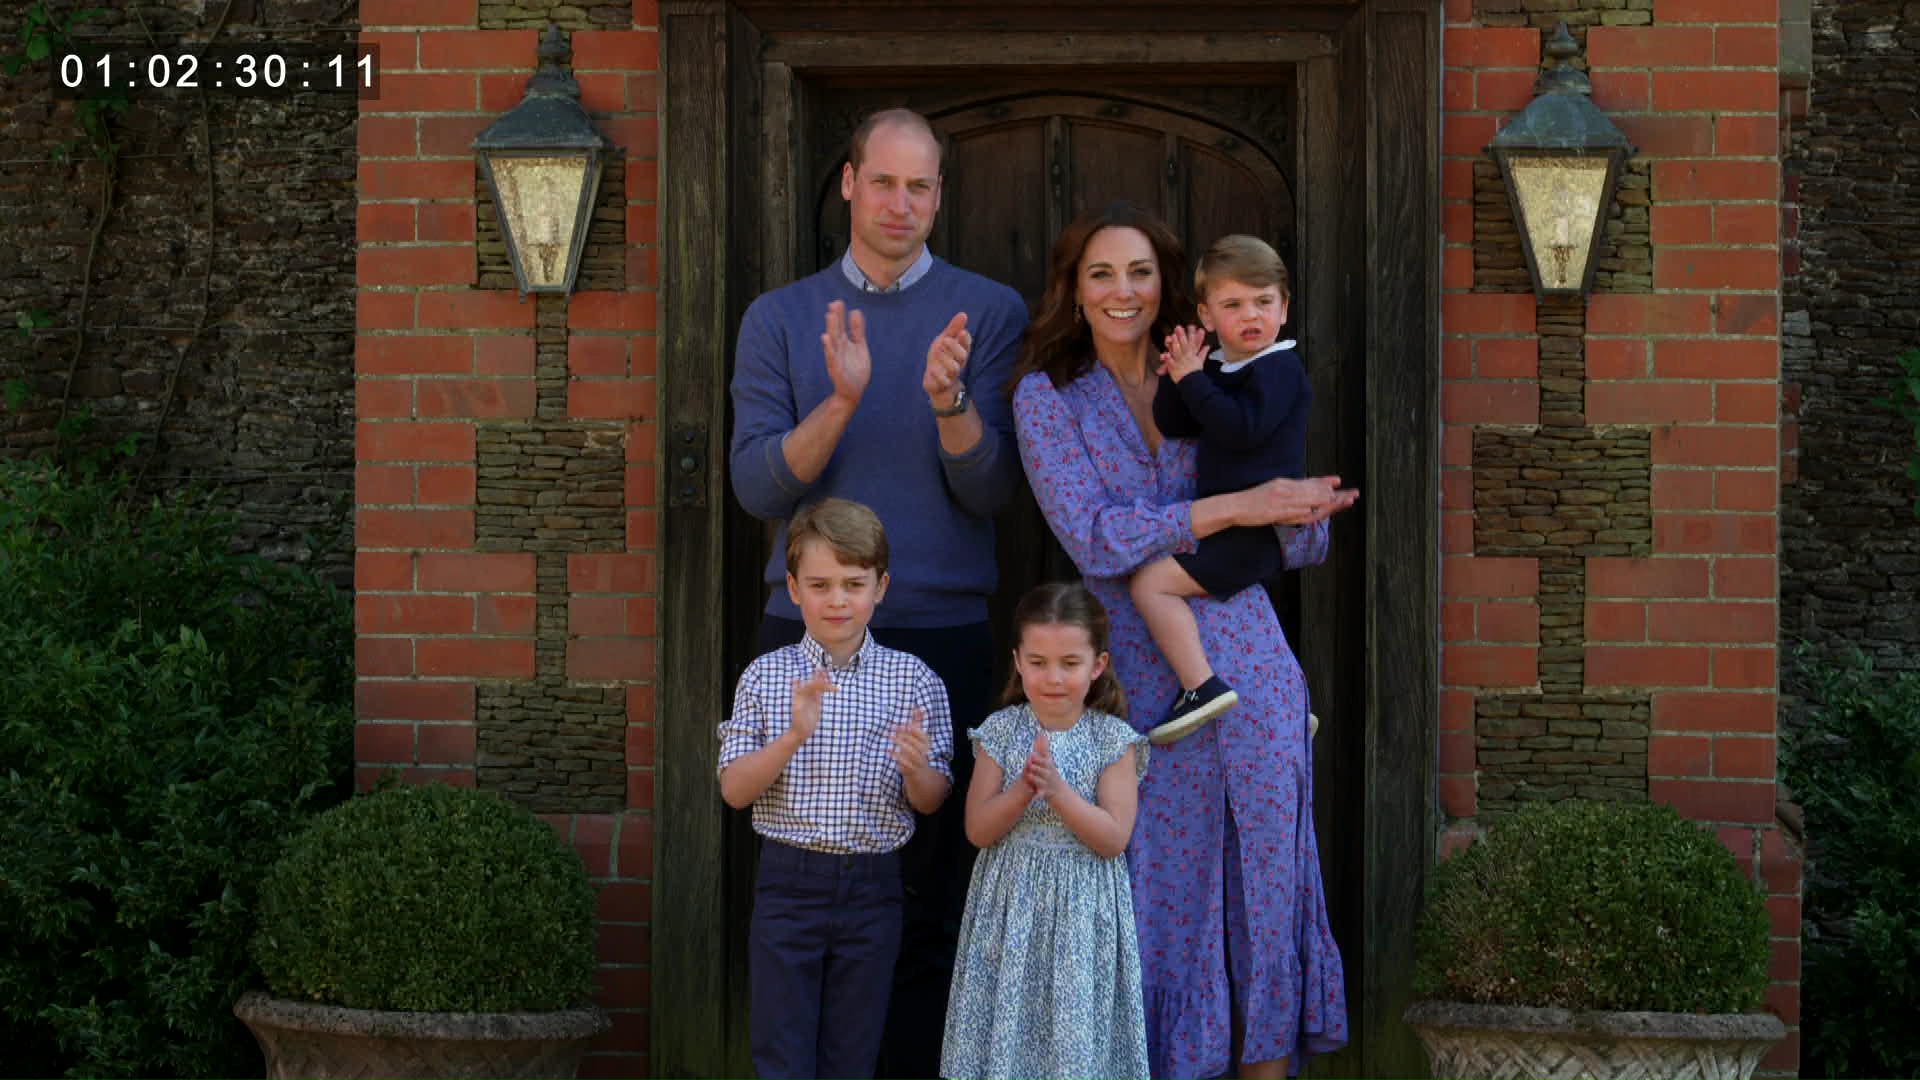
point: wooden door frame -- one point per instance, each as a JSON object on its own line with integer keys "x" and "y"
{"x": 1364, "y": 66}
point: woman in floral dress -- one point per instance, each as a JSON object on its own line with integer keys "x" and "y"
{"x": 1239, "y": 968}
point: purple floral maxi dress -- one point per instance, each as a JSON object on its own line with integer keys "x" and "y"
{"x": 1226, "y": 873}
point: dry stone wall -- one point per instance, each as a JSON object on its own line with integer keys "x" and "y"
{"x": 1849, "y": 540}
{"x": 218, "y": 301}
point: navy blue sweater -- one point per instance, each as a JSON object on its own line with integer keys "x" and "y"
{"x": 1251, "y": 422}
{"x": 938, "y": 509}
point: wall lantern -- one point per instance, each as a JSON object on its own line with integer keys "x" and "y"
{"x": 542, "y": 163}
{"x": 1561, "y": 161}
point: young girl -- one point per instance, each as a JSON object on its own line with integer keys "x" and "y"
{"x": 1047, "y": 980}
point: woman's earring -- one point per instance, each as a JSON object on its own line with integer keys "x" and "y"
{"x": 1078, "y": 315}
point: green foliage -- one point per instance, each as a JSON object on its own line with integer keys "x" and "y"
{"x": 1584, "y": 905}
{"x": 42, "y": 36}
{"x": 169, "y": 713}
{"x": 1903, "y": 397}
{"x": 1854, "y": 767}
{"x": 430, "y": 899}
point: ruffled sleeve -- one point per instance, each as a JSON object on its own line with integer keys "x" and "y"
{"x": 1005, "y": 737}
{"x": 1116, "y": 738}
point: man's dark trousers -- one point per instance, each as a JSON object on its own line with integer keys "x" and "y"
{"x": 938, "y": 862}
{"x": 820, "y": 953}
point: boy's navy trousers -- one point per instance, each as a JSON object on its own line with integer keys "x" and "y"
{"x": 820, "y": 953}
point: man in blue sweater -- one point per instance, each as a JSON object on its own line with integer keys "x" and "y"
{"x": 882, "y": 379}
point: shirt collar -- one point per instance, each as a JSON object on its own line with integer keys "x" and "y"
{"x": 913, "y": 274}
{"x": 818, "y": 656}
{"x": 1220, "y": 355}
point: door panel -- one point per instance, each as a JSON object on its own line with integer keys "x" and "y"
{"x": 1111, "y": 162}
{"x": 984, "y": 230}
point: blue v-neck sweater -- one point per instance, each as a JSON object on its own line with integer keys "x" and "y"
{"x": 938, "y": 509}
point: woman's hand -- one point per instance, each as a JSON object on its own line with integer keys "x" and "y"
{"x": 1282, "y": 501}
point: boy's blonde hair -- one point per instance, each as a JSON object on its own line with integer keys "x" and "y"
{"x": 1247, "y": 260}
{"x": 851, "y": 529}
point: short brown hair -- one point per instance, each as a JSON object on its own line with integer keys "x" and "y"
{"x": 906, "y": 118}
{"x": 851, "y": 529}
{"x": 1246, "y": 260}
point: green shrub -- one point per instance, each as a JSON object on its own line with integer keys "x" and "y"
{"x": 1606, "y": 906}
{"x": 160, "y": 736}
{"x": 1853, "y": 763}
{"x": 432, "y": 899}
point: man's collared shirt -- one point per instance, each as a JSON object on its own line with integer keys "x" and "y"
{"x": 860, "y": 280}
{"x": 840, "y": 792}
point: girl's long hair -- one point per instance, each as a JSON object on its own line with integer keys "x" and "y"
{"x": 1059, "y": 341}
{"x": 1067, "y": 604}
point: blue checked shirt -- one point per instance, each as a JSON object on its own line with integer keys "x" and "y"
{"x": 840, "y": 792}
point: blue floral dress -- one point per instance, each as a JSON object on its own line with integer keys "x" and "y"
{"x": 1047, "y": 979}
{"x": 1226, "y": 873}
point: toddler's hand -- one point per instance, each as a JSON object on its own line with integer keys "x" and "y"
{"x": 1186, "y": 352}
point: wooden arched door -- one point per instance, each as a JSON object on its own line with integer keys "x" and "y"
{"x": 1019, "y": 167}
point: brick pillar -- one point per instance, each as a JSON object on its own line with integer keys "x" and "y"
{"x": 506, "y": 522}
{"x": 1569, "y": 611}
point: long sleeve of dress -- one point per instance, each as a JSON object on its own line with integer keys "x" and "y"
{"x": 1303, "y": 545}
{"x": 1104, "y": 535}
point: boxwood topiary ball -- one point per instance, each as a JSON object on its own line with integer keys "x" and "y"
{"x": 431, "y": 899}
{"x": 1604, "y": 906}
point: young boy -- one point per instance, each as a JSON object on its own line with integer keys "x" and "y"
{"x": 1247, "y": 404}
{"x": 835, "y": 742}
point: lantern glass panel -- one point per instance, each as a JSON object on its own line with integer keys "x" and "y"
{"x": 540, "y": 203}
{"x": 1559, "y": 198}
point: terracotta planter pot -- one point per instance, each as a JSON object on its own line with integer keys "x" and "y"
{"x": 301, "y": 1039}
{"x": 1503, "y": 1041}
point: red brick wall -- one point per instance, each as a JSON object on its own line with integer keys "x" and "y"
{"x": 435, "y": 356}
{"x": 1693, "y": 624}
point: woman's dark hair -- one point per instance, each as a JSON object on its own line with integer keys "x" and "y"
{"x": 1067, "y": 604}
{"x": 1058, "y": 340}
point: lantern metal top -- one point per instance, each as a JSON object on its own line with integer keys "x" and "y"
{"x": 549, "y": 117}
{"x": 1562, "y": 115}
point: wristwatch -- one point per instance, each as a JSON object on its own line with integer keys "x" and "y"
{"x": 961, "y": 402}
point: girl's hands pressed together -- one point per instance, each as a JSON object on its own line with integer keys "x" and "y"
{"x": 1041, "y": 775}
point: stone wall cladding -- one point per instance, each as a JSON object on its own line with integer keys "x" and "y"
{"x": 229, "y": 349}
{"x": 1561, "y": 492}
{"x": 568, "y": 15}
{"x": 552, "y": 487}
{"x": 1850, "y": 542}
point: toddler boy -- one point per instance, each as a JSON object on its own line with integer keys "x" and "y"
{"x": 1247, "y": 404}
